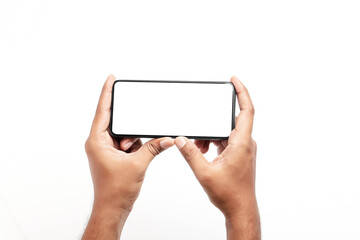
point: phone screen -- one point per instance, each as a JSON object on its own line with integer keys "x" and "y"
{"x": 202, "y": 110}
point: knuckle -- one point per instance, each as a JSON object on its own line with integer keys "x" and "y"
{"x": 252, "y": 109}
{"x": 246, "y": 146}
{"x": 88, "y": 145}
{"x": 154, "y": 150}
{"x": 254, "y": 143}
{"x": 92, "y": 144}
{"x": 255, "y": 147}
{"x": 245, "y": 89}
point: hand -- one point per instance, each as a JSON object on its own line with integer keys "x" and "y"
{"x": 117, "y": 168}
{"x": 229, "y": 180}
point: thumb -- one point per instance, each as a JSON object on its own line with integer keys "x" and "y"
{"x": 154, "y": 147}
{"x": 191, "y": 154}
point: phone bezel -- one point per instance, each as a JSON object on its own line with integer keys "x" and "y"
{"x": 173, "y": 136}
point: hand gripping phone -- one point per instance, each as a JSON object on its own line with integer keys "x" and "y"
{"x": 152, "y": 109}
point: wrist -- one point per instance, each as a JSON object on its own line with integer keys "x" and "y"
{"x": 112, "y": 202}
{"x": 244, "y": 221}
{"x": 110, "y": 210}
{"x": 244, "y": 228}
{"x": 105, "y": 222}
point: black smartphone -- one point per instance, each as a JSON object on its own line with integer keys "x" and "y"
{"x": 152, "y": 109}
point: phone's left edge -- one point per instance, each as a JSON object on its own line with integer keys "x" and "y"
{"x": 111, "y": 110}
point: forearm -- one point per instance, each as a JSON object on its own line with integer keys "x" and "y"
{"x": 244, "y": 225}
{"x": 105, "y": 223}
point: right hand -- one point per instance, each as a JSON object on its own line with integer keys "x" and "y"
{"x": 229, "y": 180}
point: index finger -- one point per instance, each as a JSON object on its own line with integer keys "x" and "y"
{"x": 102, "y": 115}
{"x": 244, "y": 121}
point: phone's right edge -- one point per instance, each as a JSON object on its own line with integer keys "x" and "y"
{"x": 233, "y": 106}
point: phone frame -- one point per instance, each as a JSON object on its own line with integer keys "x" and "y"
{"x": 173, "y": 136}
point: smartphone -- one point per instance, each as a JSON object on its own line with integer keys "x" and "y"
{"x": 152, "y": 109}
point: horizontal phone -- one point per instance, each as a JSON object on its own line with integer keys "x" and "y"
{"x": 152, "y": 109}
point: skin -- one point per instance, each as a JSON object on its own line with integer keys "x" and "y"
{"x": 229, "y": 180}
{"x": 118, "y": 169}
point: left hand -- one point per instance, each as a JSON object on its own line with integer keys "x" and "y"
{"x": 117, "y": 166}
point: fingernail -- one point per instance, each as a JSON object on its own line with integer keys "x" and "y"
{"x": 128, "y": 145}
{"x": 166, "y": 143}
{"x": 180, "y": 142}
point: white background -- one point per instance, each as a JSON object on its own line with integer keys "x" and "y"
{"x": 299, "y": 59}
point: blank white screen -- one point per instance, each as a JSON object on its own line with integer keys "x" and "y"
{"x": 172, "y": 109}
